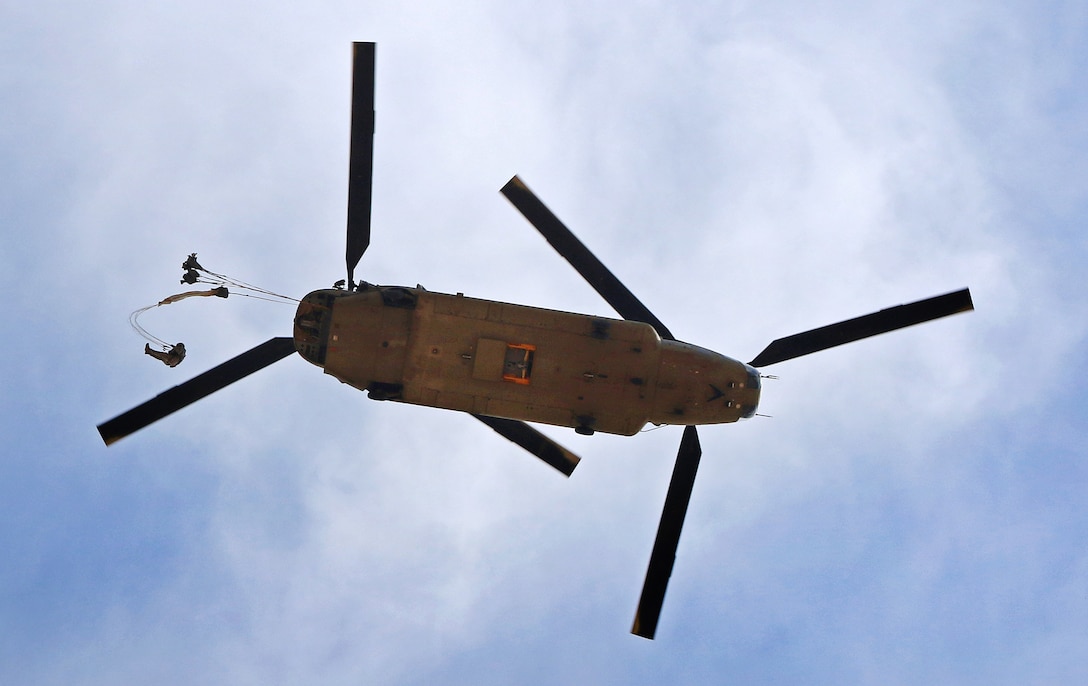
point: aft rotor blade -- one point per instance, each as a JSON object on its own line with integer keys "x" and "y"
{"x": 668, "y": 535}
{"x": 579, "y": 256}
{"x": 533, "y": 441}
{"x": 194, "y": 389}
{"x": 898, "y": 317}
{"x": 361, "y": 162}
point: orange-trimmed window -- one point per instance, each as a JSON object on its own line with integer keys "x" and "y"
{"x": 518, "y": 365}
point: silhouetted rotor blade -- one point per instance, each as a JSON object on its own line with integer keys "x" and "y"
{"x": 533, "y": 441}
{"x": 196, "y": 388}
{"x": 361, "y": 164}
{"x": 579, "y": 256}
{"x": 898, "y": 317}
{"x": 668, "y": 535}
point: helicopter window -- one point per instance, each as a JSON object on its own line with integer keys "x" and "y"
{"x": 518, "y": 365}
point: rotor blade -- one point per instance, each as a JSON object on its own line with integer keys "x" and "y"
{"x": 194, "y": 389}
{"x": 579, "y": 256}
{"x": 533, "y": 441}
{"x": 668, "y": 535}
{"x": 898, "y": 317}
{"x": 361, "y": 163}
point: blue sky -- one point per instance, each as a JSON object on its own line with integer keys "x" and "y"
{"x": 912, "y": 512}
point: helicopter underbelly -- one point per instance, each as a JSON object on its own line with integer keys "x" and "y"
{"x": 524, "y": 363}
{"x": 532, "y": 364}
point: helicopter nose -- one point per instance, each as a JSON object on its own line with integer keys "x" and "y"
{"x": 742, "y": 397}
{"x": 753, "y": 385}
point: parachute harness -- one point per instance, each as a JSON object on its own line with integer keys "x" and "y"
{"x": 194, "y": 274}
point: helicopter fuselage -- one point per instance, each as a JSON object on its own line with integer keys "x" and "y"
{"x": 516, "y": 362}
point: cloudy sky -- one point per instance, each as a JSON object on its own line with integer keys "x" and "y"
{"x": 912, "y": 511}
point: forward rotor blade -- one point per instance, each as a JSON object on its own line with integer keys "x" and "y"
{"x": 533, "y": 441}
{"x": 579, "y": 256}
{"x": 194, "y": 389}
{"x": 668, "y": 535}
{"x": 361, "y": 163}
{"x": 891, "y": 319}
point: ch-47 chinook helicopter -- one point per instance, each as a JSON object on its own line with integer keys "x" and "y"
{"x": 509, "y": 364}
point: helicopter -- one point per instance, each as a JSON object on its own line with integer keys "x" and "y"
{"x": 507, "y": 364}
